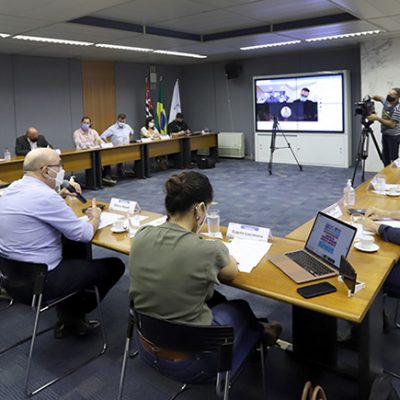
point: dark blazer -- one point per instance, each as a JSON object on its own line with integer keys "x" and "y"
{"x": 23, "y": 147}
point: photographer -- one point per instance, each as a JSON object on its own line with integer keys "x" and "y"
{"x": 390, "y": 124}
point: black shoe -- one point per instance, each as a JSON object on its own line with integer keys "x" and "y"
{"x": 80, "y": 327}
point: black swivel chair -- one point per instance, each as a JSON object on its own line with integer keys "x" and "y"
{"x": 25, "y": 282}
{"x": 193, "y": 339}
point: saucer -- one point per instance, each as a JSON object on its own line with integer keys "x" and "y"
{"x": 118, "y": 230}
{"x": 371, "y": 249}
{"x": 393, "y": 194}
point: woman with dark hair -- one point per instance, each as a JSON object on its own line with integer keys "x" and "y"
{"x": 149, "y": 130}
{"x": 173, "y": 272}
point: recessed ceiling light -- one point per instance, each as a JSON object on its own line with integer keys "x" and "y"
{"x": 264, "y": 46}
{"x": 4, "y": 35}
{"x": 178, "y": 53}
{"x": 345, "y": 35}
{"x": 128, "y": 48}
{"x": 52, "y": 40}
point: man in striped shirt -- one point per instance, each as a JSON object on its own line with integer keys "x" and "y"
{"x": 390, "y": 124}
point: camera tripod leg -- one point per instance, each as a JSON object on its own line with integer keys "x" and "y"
{"x": 293, "y": 154}
{"x": 378, "y": 150}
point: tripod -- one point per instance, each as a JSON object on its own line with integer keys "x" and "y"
{"x": 362, "y": 152}
{"x": 277, "y": 129}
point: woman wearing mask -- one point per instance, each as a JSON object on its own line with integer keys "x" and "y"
{"x": 85, "y": 137}
{"x": 173, "y": 272}
{"x": 149, "y": 130}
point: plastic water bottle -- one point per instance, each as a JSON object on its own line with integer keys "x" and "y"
{"x": 349, "y": 195}
{"x": 7, "y": 154}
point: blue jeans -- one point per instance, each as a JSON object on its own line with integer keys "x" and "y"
{"x": 202, "y": 367}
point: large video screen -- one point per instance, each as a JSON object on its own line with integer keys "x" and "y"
{"x": 302, "y": 103}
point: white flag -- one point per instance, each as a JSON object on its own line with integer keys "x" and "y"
{"x": 175, "y": 103}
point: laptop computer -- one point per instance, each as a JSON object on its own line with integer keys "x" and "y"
{"x": 328, "y": 240}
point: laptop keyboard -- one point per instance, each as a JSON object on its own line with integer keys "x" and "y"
{"x": 310, "y": 264}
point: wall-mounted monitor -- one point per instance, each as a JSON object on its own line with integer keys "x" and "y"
{"x": 300, "y": 102}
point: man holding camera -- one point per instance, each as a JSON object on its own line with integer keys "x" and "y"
{"x": 390, "y": 124}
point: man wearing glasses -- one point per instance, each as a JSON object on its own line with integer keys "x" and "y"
{"x": 34, "y": 220}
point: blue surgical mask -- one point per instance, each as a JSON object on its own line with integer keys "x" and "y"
{"x": 303, "y": 98}
{"x": 85, "y": 127}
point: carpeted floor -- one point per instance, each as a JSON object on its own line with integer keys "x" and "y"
{"x": 245, "y": 193}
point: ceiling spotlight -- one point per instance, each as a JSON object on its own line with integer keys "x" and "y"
{"x": 265, "y": 46}
{"x": 51, "y": 40}
{"x": 178, "y": 53}
{"x": 118, "y": 47}
{"x": 345, "y": 35}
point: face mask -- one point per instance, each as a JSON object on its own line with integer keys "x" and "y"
{"x": 303, "y": 98}
{"x": 85, "y": 127}
{"x": 151, "y": 124}
{"x": 33, "y": 140}
{"x": 121, "y": 124}
{"x": 59, "y": 178}
{"x": 390, "y": 99}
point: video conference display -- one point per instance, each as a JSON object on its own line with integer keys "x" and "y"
{"x": 312, "y": 103}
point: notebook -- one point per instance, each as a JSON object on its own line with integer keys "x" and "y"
{"x": 328, "y": 241}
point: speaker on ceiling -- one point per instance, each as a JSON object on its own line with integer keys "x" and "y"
{"x": 232, "y": 71}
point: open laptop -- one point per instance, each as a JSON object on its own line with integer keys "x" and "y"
{"x": 328, "y": 240}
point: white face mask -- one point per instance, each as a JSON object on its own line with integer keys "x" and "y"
{"x": 151, "y": 124}
{"x": 121, "y": 124}
{"x": 59, "y": 178}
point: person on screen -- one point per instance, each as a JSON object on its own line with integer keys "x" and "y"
{"x": 390, "y": 126}
{"x": 85, "y": 137}
{"x": 303, "y": 108}
{"x": 270, "y": 96}
{"x": 178, "y": 127}
{"x": 173, "y": 274}
{"x": 31, "y": 140}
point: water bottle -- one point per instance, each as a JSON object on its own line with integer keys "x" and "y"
{"x": 7, "y": 154}
{"x": 349, "y": 195}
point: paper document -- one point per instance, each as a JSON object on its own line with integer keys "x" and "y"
{"x": 247, "y": 252}
{"x": 106, "y": 218}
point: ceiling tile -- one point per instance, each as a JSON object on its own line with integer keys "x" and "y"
{"x": 369, "y": 8}
{"x": 14, "y": 25}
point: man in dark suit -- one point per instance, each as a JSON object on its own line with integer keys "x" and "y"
{"x": 305, "y": 109}
{"x": 31, "y": 140}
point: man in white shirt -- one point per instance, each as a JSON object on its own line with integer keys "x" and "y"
{"x": 118, "y": 134}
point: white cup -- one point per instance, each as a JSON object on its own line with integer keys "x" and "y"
{"x": 366, "y": 241}
{"x": 380, "y": 183}
{"x": 119, "y": 224}
{"x": 393, "y": 189}
{"x": 213, "y": 222}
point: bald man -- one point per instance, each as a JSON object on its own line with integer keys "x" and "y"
{"x": 34, "y": 218}
{"x": 31, "y": 140}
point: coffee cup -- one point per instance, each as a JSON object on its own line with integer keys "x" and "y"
{"x": 393, "y": 189}
{"x": 366, "y": 241}
{"x": 119, "y": 224}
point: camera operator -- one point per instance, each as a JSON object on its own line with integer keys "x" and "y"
{"x": 390, "y": 124}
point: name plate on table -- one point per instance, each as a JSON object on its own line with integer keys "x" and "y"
{"x": 396, "y": 163}
{"x": 106, "y": 145}
{"x": 146, "y": 140}
{"x": 247, "y": 232}
{"x": 124, "y": 206}
{"x": 334, "y": 211}
{"x": 165, "y": 137}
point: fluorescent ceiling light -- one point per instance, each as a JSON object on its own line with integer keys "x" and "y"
{"x": 4, "y": 35}
{"x": 344, "y": 36}
{"x": 264, "y": 46}
{"x": 117, "y": 47}
{"x": 51, "y": 40}
{"x": 178, "y": 53}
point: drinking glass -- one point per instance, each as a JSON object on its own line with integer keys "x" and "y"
{"x": 213, "y": 222}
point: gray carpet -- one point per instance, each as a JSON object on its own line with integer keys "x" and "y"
{"x": 245, "y": 193}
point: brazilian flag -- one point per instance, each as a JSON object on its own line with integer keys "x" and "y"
{"x": 161, "y": 114}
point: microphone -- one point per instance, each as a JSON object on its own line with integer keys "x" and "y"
{"x": 71, "y": 189}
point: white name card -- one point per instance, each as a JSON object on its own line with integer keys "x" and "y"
{"x": 334, "y": 210}
{"x": 146, "y": 140}
{"x": 247, "y": 232}
{"x": 165, "y": 137}
{"x": 125, "y": 206}
{"x": 106, "y": 145}
{"x": 396, "y": 163}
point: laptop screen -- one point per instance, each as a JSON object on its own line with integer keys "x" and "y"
{"x": 330, "y": 238}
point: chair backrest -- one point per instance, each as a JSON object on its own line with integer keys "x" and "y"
{"x": 22, "y": 280}
{"x": 188, "y": 338}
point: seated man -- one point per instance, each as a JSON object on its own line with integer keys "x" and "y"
{"x": 118, "y": 134}
{"x": 34, "y": 218}
{"x": 178, "y": 127}
{"x": 31, "y": 140}
{"x": 85, "y": 137}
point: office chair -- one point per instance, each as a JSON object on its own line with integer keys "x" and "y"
{"x": 25, "y": 282}
{"x": 193, "y": 339}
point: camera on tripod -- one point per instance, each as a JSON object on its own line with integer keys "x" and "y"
{"x": 365, "y": 108}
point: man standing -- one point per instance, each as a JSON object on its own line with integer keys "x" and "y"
{"x": 85, "y": 137}
{"x": 119, "y": 134}
{"x": 179, "y": 126}
{"x": 390, "y": 126}
{"x": 31, "y": 140}
{"x": 34, "y": 219}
